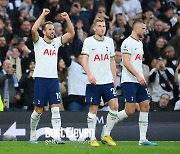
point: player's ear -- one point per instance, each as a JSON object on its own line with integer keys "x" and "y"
{"x": 44, "y": 32}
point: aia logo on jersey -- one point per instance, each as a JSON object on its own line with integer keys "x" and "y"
{"x": 139, "y": 57}
{"x": 101, "y": 57}
{"x": 49, "y": 52}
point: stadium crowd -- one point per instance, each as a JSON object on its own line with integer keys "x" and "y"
{"x": 161, "y": 43}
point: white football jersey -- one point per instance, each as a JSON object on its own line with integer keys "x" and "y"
{"x": 46, "y": 58}
{"x": 135, "y": 49}
{"x": 99, "y": 53}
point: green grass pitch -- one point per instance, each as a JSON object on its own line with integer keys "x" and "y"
{"x": 24, "y": 147}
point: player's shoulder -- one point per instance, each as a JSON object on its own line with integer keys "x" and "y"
{"x": 108, "y": 38}
{"x": 40, "y": 40}
{"x": 127, "y": 40}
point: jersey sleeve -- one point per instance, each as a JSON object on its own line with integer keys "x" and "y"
{"x": 112, "y": 50}
{"x": 85, "y": 48}
{"x": 125, "y": 48}
{"x": 38, "y": 43}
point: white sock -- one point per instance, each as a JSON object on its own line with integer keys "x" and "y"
{"x": 35, "y": 117}
{"x": 122, "y": 115}
{"x": 91, "y": 121}
{"x": 56, "y": 118}
{"x": 110, "y": 121}
{"x": 143, "y": 124}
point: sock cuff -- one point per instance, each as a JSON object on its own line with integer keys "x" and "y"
{"x": 54, "y": 109}
{"x": 35, "y": 115}
{"x": 112, "y": 112}
{"x": 91, "y": 115}
{"x": 143, "y": 116}
{"x": 55, "y": 113}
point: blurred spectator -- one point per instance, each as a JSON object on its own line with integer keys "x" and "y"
{"x": 3, "y": 48}
{"x": 153, "y": 63}
{"x": 57, "y": 29}
{"x": 9, "y": 88}
{"x": 62, "y": 75}
{"x": 16, "y": 62}
{"x": 118, "y": 37}
{"x": 167, "y": 15}
{"x": 32, "y": 9}
{"x": 26, "y": 84}
{"x": 25, "y": 33}
{"x": 157, "y": 49}
{"x": 7, "y": 10}
{"x": 118, "y": 61}
{"x": 175, "y": 42}
{"x": 76, "y": 14}
{"x": 132, "y": 9}
{"x": 171, "y": 57}
{"x": 163, "y": 103}
{"x": 66, "y": 5}
{"x": 161, "y": 29}
{"x": 177, "y": 104}
{"x": 4, "y": 31}
{"x": 161, "y": 81}
{"x": 54, "y": 7}
{"x": 177, "y": 76}
{"x": 121, "y": 22}
{"x": 117, "y": 7}
{"x": 177, "y": 24}
{"x": 77, "y": 79}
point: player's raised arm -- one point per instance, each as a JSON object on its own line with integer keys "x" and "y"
{"x": 70, "y": 29}
{"x": 35, "y": 34}
{"x": 113, "y": 70}
{"x": 130, "y": 68}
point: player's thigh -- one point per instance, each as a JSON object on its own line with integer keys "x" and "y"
{"x": 93, "y": 94}
{"x": 109, "y": 95}
{"x": 129, "y": 90}
{"x": 54, "y": 92}
{"x": 40, "y": 92}
{"x": 143, "y": 94}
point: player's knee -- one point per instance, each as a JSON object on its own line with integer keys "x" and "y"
{"x": 39, "y": 110}
{"x": 114, "y": 107}
{"x": 130, "y": 112}
{"x": 145, "y": 108}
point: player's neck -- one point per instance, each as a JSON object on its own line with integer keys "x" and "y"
{"x": 47, "y": 40}
{"x": 99, "y": 38}
{"x": 134, "y": 36}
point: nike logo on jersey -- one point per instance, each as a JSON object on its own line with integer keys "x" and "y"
{"x": 93, "y": 49}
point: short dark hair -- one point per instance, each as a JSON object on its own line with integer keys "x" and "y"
{"x": 137, "y": 22}
{"x": 164, "y": 94}
{"x": 46, "y": 23}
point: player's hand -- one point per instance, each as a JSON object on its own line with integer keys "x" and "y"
{"x": 141, "y": 80}
{"x": 115, "y": 84}
{"x": 46, "y": 11}
{"x": 64, "y": 15}
{"x": 92, "y": 79}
